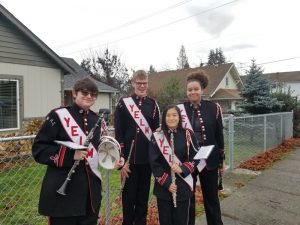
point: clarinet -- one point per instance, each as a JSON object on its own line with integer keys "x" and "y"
{"x": 173, "y": 176}
{"x": 128, "y": 163}
{"x": 63, "y": 187}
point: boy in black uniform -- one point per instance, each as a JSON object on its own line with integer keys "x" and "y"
{"x": 135, "y": 119}
{"x": 81, "y": 203}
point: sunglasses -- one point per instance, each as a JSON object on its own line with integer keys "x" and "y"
{"x": 86, "y": 93}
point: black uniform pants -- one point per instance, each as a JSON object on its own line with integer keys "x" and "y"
{"x": 73, "y": 220}
{"x": 135, "y": 195}
{"x": 168, "y": 215}
{"x": 210, "y": 193}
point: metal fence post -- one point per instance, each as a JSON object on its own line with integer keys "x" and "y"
{"x": 265, "y": 133}
{"x": 107, "y": 200}
{"x": 281, "y": 128}
{"x": 231, "y": 141}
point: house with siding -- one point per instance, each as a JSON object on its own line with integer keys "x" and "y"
{"x": 224, "y": 83}
{"x": 31, "y": 75}
{"x": 285, "y": 80}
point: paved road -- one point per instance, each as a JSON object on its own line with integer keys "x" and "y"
{"x": 272, "y": 198}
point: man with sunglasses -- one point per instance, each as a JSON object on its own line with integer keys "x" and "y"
{"x": 81, "y": 204}
{"x": 135, "y": 119}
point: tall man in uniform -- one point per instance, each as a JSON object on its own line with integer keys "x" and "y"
{"x": 135, "y": 119}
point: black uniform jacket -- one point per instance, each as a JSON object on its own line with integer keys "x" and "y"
{"x": 208, "y": 128}
{"x": 127, "y": 130}
{"x": 162, "y": 171}
{"x": 84, "y": 189}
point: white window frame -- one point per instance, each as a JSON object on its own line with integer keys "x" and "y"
{"x": 17, "y": 104}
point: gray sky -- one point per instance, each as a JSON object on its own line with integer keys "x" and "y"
{"x": 151, "y": 32}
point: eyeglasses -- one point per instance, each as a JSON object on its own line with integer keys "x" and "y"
{"x": 86, "y": 93}
{"x": 141, "y": 83}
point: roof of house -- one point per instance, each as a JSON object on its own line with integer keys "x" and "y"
{"x": 215, "y": 76}
{"x": 283, "y": 76}
{"x": 79, "y": 73}
{"x": 224, "y": 93}
{"x": 20, "y": 26}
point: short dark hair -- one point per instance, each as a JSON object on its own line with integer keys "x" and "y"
{"x": 200, "y": 76}
{"x": 85, "y": 84}
{"x": 164, "y": 126}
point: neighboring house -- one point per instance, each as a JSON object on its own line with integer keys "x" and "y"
{"x": 224, "y": 83}
{"x": 106, "y": 92}
{"x": 31, "y": 75}
{"x": 284, "y": 80}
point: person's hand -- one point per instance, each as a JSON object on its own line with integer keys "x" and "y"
{"x": 222, "y": 167}
{"x": 125, "y": 171}
{"x": 119, "y": 163}
{"x": 173, "y": 188}
{"x": 158, "y": 129}
{"x": 176, "y": 168}
{"x": 80, "y": 155}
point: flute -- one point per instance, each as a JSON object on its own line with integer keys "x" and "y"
{"x": 128, "y": 163}
{"x": 173, "y": 176}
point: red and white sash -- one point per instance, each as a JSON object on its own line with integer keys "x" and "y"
{"x": 187, "y": 124}
{"x": 184, "y": 117}
{"x": 78, "y": 136}
{"x": 166, "y": 151}
{"x": 138, "y": 117}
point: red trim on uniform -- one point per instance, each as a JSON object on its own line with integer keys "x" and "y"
{"x": 122, "y": 145}
{"x": 90, "y": 190}
{"x": 161, "y": 180}
{"x": 62, "y": 152}
{"x": 189, "y": 165}
{"x": 49, "y": 221}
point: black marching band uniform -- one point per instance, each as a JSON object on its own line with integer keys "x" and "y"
{"x": 84, "y": 190}
{"x": 168, "y": 214}
{"x": 206, "y": 121}
{"x": 136, "y": 190}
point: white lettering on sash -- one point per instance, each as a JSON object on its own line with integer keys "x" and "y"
{"x": 138, "y": 117}
{"x": 184, "y": 118}
{"x": 76, "y": 134}
{"x": 165, "y": 149}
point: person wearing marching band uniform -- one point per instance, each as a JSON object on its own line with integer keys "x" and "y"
{"x": 205, "y": 119}
{"x": 172, "y": 150}
{"x": 135, "y": 119}
{"x": 82, "y": 201}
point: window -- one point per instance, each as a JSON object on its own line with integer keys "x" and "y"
{"x": 9, "y": 105}
{"x": 226, "y": 81}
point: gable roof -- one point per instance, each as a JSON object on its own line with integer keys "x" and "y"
{"x": 215, "y": 76}
{"x": 40, "y": 44}
{"x": 224, "y": 93}
{"x": 79, "y": 73}
{"x": 283, "y": 76}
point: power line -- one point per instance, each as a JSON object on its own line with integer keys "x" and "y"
{"x": 159, "y": 27}
{"x": 122, "y": 26}
{"x": 269, "y": 62}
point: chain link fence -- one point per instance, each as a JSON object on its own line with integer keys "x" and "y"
{"x": 21, "y": 176}
{"x": 249, "y": 135}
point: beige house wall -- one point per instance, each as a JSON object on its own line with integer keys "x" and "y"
{"x": 41, "y": 88}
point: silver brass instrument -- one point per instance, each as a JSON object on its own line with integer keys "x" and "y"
{"x": 128, "y": 164}
{"x": 173, "y": 176}
{"x": 63, "y": 187}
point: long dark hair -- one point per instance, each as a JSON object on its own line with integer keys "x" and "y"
{"x": 164, "y": 126}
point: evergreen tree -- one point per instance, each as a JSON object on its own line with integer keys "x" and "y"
{"x": 256, "y": 93}
{"x": 152, "y": 70}
{"x": 171, "y": 92}
{"x": 216, "y": 57}
{"x": 289, "y": 102}
{"x": 182, "y": 59}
